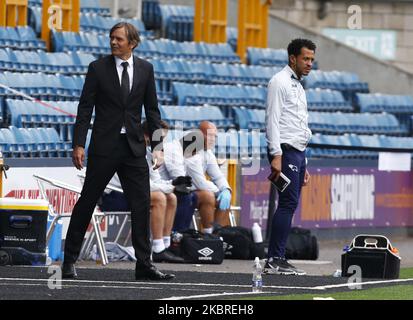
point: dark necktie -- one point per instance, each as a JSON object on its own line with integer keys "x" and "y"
{"x": 124, "y": 86}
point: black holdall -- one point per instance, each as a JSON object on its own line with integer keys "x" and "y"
{"x": 373, "y": 256}
{"x": 239, "y": 243}
{"x": 301, "y": 245}
{"x": 198, "y": 247}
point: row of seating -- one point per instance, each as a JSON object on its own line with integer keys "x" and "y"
{"x": 26, "y": 113}
{"x": 89, "y": 22}
{"x": 45, "y": 142}
{"x": 219, "y": 95}
{"x": 380, "y": 141}
{"x": 364, "y": 123}
{"x": 181, "y": 70}
{"x": 87, "y": 42}
{"x": 327, "y": 100}
{"x": 191, "y": 116}
{"x": 98, "y": 45}
{"x": 377, "y": 102}
{"x": 59, "y": 115}
{"x": 347, "y": 82}
{"x": 41, "y": 85}
{"x": 20, "y": 38}
{"x": 267, "y": 56}
{"x": 33, "y": 142}
{"x": 329, "y": 122}
{"x": 48, "y": 62}
{"x": 86, "y": 6}
{"x": 169, "y": 49}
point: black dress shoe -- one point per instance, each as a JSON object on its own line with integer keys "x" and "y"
{"x": 166, "y": 256}
{"x": 69, "y": 271}
{"x": 151, "y": 273}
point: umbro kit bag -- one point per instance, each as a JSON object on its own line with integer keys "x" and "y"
{"x": 197, "y": 247}
{"x": 239, "y": 243}
{"x": 301, "y": 245}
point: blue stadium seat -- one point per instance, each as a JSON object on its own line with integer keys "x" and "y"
{"x": 151, "y": 14}
{"x": 93, "y": 6}
{"x": 327, "y": 100}
{"x": 377, "y": 102}
{"x": 8, "y": 144}
{"x": 267, "y": 57}
{"x": 28, "y": 38}
{"x": 177, "y": 22}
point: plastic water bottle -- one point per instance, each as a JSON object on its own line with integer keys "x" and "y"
{"x": 256, "y": 233}
{"x": 337, "y": 273}
{"x": 257, "y": 276}
{"x": 49, "y": 260}
{"x": 97, "y": 255}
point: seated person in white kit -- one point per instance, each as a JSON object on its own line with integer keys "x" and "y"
{"x": 214, "y": 196}
{"x": 173, "y": 169}
{"x": 163, "y": 208}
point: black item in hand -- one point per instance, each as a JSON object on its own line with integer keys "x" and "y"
{"x": 186, "y": 180}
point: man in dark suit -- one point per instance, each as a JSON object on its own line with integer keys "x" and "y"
{"x": 116, "y": 86}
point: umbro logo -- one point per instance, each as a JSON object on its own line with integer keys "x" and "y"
{"x": 206, "y": 252}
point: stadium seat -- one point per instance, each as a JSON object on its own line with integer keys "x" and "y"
{"x": 151, "y": 14}
{"x": 177, "y": 22}
{"x": 267, "y": 57}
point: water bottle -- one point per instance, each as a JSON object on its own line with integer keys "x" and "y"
{"x": 257, "y": 276}
{"x": 49, "y": 260}
{"x": 256, "y": 233}
{"x": 337, "y": 273}
{"x": 95, "y": 249}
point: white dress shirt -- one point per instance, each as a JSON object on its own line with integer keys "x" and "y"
{"x": 174, "y": 163}
{"x": 119, "y": 68}
{"x": 286, "y": 117}
{"x": 206, "y": 162}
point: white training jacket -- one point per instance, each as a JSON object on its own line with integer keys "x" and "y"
{"x": 205, "y": 162}
{"x": 286, "y": 117}
{"x": 174, "y": 163}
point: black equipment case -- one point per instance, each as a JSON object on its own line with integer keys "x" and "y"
{"x": 375, "y": 256}
{"x": 23, "y": 225}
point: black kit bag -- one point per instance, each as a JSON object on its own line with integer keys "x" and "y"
{"x": 239, "y": 243}
{"x": 301, "y": 245}
{"x": 202, "y": 248}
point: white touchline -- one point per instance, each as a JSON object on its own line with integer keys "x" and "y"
{"x": 217, "y": 295}
{"x": 79, "y": 286}
{"x": 318, "y": 288}
{"x": 159, "y": 283}
{"x": 361, "y": 283}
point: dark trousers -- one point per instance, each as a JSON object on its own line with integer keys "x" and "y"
{"x": 294, "y": 167}
{"x": 134, "y": 177}
{"x": 184, "y": 211}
